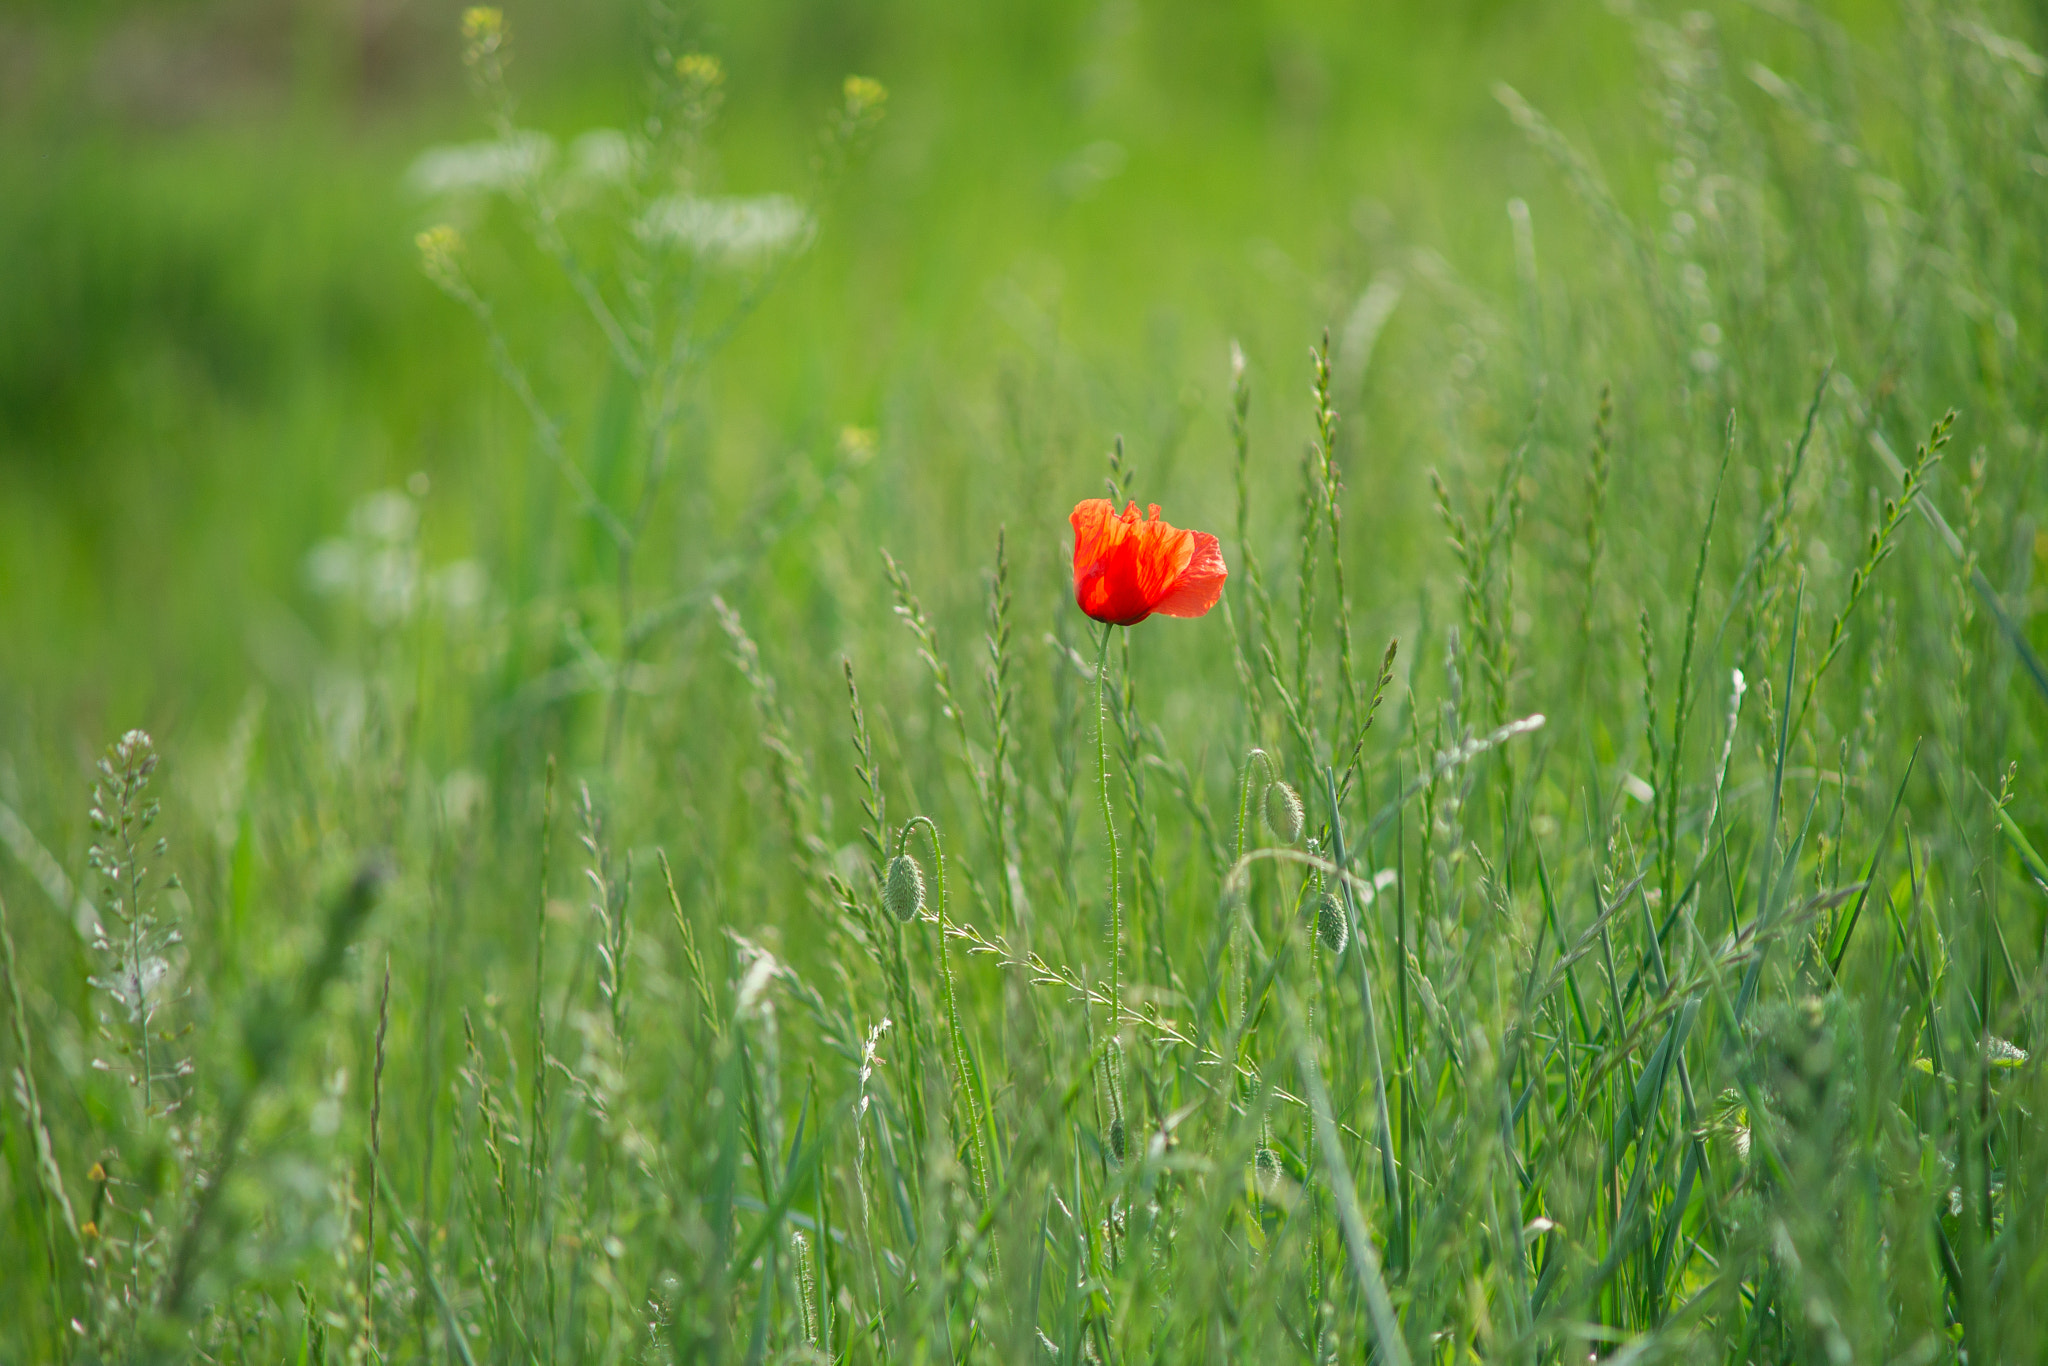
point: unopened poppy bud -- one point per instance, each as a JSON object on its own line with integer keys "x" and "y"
{"x": 1116, "y": 1138}
{"x": 1283, "y": 812}
{"x": 1330, "y": 924}
{"x": 903, "y": 892}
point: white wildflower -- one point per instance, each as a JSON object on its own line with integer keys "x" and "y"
{"x": 726, "y": 230}
{"x": 480, "y": 167}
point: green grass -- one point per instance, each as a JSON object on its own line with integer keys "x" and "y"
{"x": 1646, "y": 631}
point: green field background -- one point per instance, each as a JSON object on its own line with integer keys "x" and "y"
{"x": 1581, "y": 351}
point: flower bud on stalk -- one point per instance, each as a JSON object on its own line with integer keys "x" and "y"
{"x": 903, "y": 891}
{"x": 1283, "y": 812}
{"x": 1330, "y": 926}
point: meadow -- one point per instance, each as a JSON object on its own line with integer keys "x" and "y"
{"x": 557, "y": 803}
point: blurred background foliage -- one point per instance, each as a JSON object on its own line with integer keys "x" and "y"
{"x": 214, "y": 339}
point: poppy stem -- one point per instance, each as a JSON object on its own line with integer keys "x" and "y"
{"x": 1116, "y": 918}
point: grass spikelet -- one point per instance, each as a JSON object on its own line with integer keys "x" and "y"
{"x": 787, "y": 765}
{"x": 999, "y": 694}
{"x": 864, "y": 768}
{"x": 912, "y": 613}
{"x": 610, "y": 894}
{"x": 1878, "y": 550}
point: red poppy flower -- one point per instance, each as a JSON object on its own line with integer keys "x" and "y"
{"x": 1125, "y": 569}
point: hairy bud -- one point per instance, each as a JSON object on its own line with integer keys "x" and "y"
{"x": 1330, "y": 924}
{"x": 1283, "y": 812}
{"x": 1266, "y": 1170}
{"x": 903, "y": 891}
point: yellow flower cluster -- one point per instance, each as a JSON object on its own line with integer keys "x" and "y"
{"x": 700, "y": 70}
{"x": 440, "y": 249}
{"x": 864, "y": 96}
{"x": 483, "y": 34}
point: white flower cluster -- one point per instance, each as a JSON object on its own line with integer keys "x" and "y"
{"x": 491, "y": 167}
{"x": 728, "y": 230}
{"x": 378, "y": 566}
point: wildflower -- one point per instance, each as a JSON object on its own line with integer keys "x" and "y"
{"x": 440, "y": 249}
{"x": 700, "y": 70}
{"x": 483, "y": 37}
{"x": 483, "y": 23}
{"x": 728, "y": 230}
{"x": 1125, "y": 569}
{"x": 857, "y": 445}
{"x": 495, "y": 166}
{"x": 864, "y": 95}
{"x": 2004, "y": 1053}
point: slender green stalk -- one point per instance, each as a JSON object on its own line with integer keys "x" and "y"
{"x": 58, "y": 1202}
{"x": 376, "y": 1152}
{"x": 1116, "y": 910}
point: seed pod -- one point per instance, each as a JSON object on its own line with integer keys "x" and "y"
{"x": 1283, "y": 812}
{"x": 1330, "y": 925}
{"x": 903, "y": 893}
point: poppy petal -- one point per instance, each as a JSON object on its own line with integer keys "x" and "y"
{"x": 1200, "y": 583}
{"x": 1162, "y": 556}
{"x": 1107, "y": 553}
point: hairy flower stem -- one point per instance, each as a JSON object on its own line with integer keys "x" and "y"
{"x": 1116, "y": 915}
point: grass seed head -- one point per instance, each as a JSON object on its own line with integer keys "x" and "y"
{"x": 903, "y": 892}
